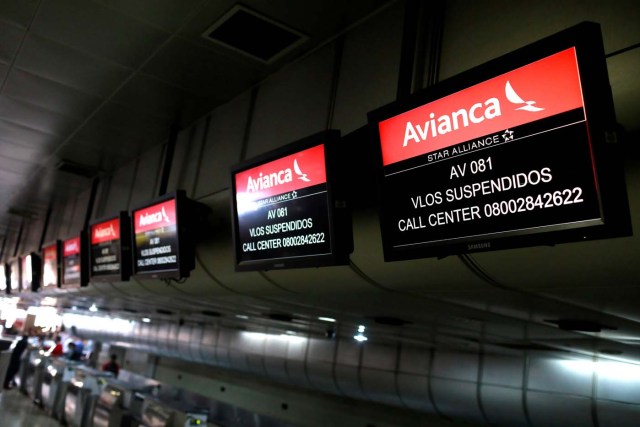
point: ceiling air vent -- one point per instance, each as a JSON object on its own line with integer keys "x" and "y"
{"x": 76, "y": 169}
{"x": 254, "y": 35}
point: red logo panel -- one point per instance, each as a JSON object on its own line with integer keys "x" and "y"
{"x": 544, "y": 88}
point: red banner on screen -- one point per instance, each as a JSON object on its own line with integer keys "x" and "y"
{"x": 71, "y": 246}
{"x": 50, "y": 253}
{"x": 156, "y": 216}
{"x": 105, "y": 231}
{"x": 535, "y": 91}
{"x": 293, "y": 172}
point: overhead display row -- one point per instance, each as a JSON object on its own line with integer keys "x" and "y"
{"x": 516, "y": 152}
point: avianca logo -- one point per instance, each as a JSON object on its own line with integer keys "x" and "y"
{"x": 540, "y": 89}
{"x": 266, "y": 181}
{"x": 476, "y": 114}
{"x": 101, "y": 233}
{"x": 71, "y": 247}
{"x": 154, "y": 218}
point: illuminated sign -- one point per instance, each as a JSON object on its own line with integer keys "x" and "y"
{"x": 74, "y": 261}
{"x": 283, "y": 208}
{"x": 14, "y": 276}
{"x": 163, "y": 244}
{"x": 30, "y": 272}
{"x": 50, "y": 266}
{"x": 509, "y": 154}
{"x": 109, "y": 257}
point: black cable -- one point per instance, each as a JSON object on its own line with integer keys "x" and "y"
{"x": 623, "y": 50}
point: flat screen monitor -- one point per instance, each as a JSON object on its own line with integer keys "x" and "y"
{"x": 517, "y": 152}
{"x": 287, "y": 207}
{"x": 51, "y": 265}
{"x": 4, "y": 278}
{"x": 163, "y": 242}
{"x": 14, "y": 276}
{"x": 110, "y": 249}
{"x": 74, "y": 261}
{"x": 30, "y": 272}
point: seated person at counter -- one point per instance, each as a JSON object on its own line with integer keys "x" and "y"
{"x": 72, "y": 352}
{"x": 112, "y": 365}
{"x": 56, "y": 350}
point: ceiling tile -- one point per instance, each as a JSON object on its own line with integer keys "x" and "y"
{"x": 10, "y": 37}
{"x": 35, "y": 117}
{"x": 166, "y": 14}
{"x": 134, "y": 122}
{"x": 96, "y": 29}
{"x": 29, "y": 137}
{"x": 19, "y": 12}
{"x": 17, "y": 166}
{"x": 49, "y": 95}
{"x": 201, "y": 71}
{"x": 101, "y": 158}
{"x": 70, "y": 67}
{"x": 150, "y": 95}
{"x": 19, "y": 151}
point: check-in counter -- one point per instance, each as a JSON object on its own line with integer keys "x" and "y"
{"x": 118, "y": 404}
{"x": 59, "y": 372}
{"x": 82, "y": 394}
{"x": 157, "y": 413}
{"x": 30, "y": 358}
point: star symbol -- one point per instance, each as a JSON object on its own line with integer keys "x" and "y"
{"x": 294, "y": 194}
{"x": 507, "y": 135}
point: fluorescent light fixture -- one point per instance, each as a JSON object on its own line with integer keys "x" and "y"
{"x": 146, "y": 320}
{"x": 360, "y": 338}
{"x": 327, "y": 319}
{"x": 242, "y": 316}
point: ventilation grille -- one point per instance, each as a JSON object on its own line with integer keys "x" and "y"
{"x": 253, "y": 35}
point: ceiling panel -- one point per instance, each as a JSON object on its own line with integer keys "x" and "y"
{"x": 152, "y": 96}
{"x": 36, "y": 117}
{"x": 27, "y": 136}
{"x": 13, "y": 150}
{"x": 165, "y": 14}
{"x": 98, "y": 30}
{"x": 49, "y": 95}
{"x": 19, "y": 12}
{"x": 10, "y": 37}
{"x": 200, "y": 70}
{"x": 20, "y": 167}
{"x": 70, "y": 67}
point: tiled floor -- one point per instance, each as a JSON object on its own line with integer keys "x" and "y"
{"x": 18, "y": 410}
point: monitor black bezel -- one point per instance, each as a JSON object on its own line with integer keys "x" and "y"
{"x": 84, "y": 262}
{"x": 36, "y": 272}
{"x": 340, "y": 227}
{"x": 58, "y": 244}
{"x": 125, "y": 248}
{"x": 185, "y": 239}
{"x": 598, "y": 101}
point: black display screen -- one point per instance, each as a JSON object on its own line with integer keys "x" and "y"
{"x": 162, "y": 237}
{"x": 109, "y": 249}
{"x": 72, "y": 261}
{"x": 502, "y": 156}
{"x": 50, "y": 265}
{"x": 284, "y": 208}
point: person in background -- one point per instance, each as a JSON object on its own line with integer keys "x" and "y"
{"x": 112, "y": 366}
{"x": 56, "y": 349}
{"x": 14, "y": 363}
{"x": 72, "y": 353}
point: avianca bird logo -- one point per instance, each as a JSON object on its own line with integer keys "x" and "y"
{"x": 514, "y": 98}
{"x": 165, "y": 216}
{"x": 301, "y": 175}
